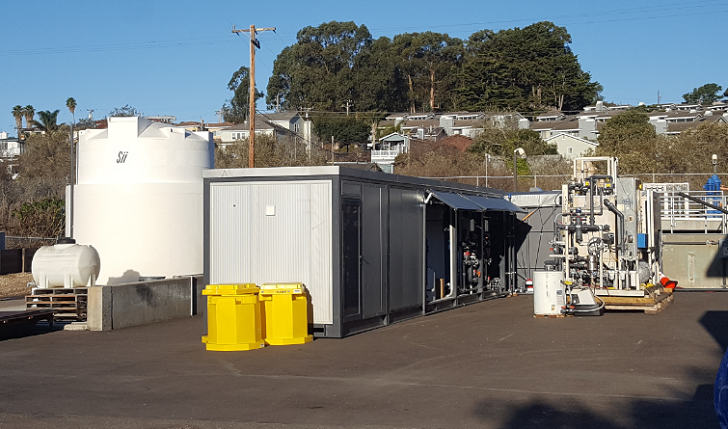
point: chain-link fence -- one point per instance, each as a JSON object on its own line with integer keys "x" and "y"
{"x": 552, "y": 182}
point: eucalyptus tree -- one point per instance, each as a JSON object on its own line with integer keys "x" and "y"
{"x": 125, "y": 111}
{"x": 440, "y": 55}
{"x": 706, "y": 94}
{"x": 237, "y": 109}
{"x": 319, "y": 70}
{"x": 524, "y": 69}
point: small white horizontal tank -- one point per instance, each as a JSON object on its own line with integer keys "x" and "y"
{"x": 66, "y": 265}
{"x": 139, "y": 198}
{"x": 548, "y": 292}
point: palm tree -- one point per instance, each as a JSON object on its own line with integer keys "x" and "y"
{"x": 18, "y": 115}
{"x": 48, "y": 121}
{"x": 71, "y": 104}
{"x": 29, "y": 112}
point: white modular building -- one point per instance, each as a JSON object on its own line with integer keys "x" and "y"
{"x": 371, "y": 248}
{"x": 138, "y": 198}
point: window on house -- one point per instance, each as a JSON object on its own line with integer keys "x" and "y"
{"x": 296, "y": 128}
{"x": 570, "y": 150}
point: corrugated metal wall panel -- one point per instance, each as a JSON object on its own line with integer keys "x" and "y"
{"x": 229, "y": 255}
{"x": 289, "y": 243}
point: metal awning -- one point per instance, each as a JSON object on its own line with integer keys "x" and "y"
{"x": 455, "y": 201}
{"x": 495, "y": 204}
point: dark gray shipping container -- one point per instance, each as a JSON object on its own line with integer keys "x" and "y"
{"x": 372, "y": 248}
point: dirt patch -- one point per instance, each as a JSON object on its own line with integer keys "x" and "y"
{"x": 15, "y": 284}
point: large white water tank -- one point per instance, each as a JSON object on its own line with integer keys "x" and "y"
{"x": 548, "y": 292}
{"x": 138, "y": 200}
{"x": 65, "y": 265}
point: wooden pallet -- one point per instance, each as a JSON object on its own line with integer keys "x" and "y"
{"x": 648, "y": 304}
{"x": 61, "y": 291}
{"x": 66, "y": 304}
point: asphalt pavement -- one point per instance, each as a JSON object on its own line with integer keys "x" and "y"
{"x": 488, "y": 365}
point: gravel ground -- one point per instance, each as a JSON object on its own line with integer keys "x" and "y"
{"x": 15, "y": 284}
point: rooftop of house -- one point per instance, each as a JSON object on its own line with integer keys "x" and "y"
{"x": 420, "y": 123}
{"x": 260, "y": 124}
{"x": 599, "y": 114}
{"x": 675, "y": 114}
{"x": 549, "y": 140}
{"x": 280, "y": 116}
{"x": 568, "y": 123}
{"x": 468, "y": 123}
{"x": 550, "y": 116}
{"x": 679, "y": 127}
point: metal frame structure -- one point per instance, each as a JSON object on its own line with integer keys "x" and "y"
{"x": 609, "y": 230}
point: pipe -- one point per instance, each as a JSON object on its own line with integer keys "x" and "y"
{"x": 620, "y": 236}
{"x": 592, "y": 188}
{"x": 705, "y": 203}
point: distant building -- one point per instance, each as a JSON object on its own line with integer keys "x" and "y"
{"x": 276, "y": 125}
{"x": 388, "y": 148}
{"x": 10, "y": 147}
{"x": 570, "y": 146}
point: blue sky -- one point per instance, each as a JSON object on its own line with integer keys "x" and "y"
{"x": 175, "y": 57}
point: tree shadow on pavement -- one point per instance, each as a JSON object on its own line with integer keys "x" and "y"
{"x": 551, "y": 413}
{"x": 639, "y": 414}
{"x": 716, "y": 323}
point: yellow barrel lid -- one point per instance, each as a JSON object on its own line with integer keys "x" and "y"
{"x": 276, "y": 288}
{"x": 235, "y": 289}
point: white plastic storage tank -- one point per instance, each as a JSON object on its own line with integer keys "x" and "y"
{"x": 138, "y": 200}
{"x": 548, "y": 292}
{"x": 66, "y": 264}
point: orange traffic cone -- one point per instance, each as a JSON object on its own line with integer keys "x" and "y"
{"x": 668, "y": 284}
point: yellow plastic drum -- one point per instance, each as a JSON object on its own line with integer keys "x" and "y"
{"x": 286, "y": 313}
{"x": 234, "y": 319}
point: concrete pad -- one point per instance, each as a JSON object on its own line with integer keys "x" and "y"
{"x": 76, "y": 326}
{"x": 489, "y": 365}
{"x": 12, "y": 304}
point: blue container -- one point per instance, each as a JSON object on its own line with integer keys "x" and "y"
{"x": 713, "y": 184}
{"x": 713, "y": 188}
{"x": 641, "y": 241}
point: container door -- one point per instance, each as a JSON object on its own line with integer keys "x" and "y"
{"x": 373, "y": 252}
{"x": 351, "y": 223}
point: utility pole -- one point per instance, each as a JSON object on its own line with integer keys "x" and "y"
{"x": 251, "y": 115}
{"x": 348, "y": 105}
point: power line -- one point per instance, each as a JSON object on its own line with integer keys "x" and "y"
{"x": 165, "y": 44}
{"x": 115, "y": 47}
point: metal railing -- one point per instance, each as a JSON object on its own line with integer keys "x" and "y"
{"x": 385, "y": 154}
{"x": 683, "y": 213}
